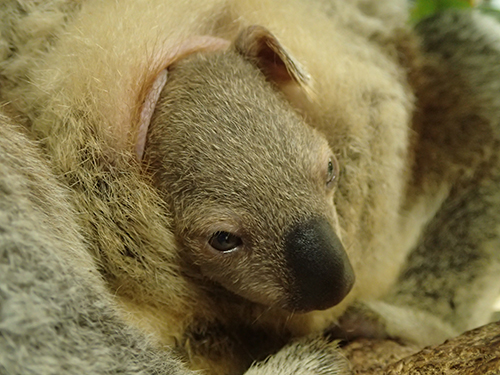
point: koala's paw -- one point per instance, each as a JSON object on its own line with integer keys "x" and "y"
{"x": 308, "y": 356}
{"x": 380, "y": 320}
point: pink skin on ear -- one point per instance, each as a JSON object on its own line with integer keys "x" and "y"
{"x": 192, "y": 45}
{"x": 147, "y": 112}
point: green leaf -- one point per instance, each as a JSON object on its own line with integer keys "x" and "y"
{"x": 422, "y": 9}
{"x": 445, "y": 4}
{"x": 425, "y": 8}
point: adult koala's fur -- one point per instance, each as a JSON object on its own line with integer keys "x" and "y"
{"x": 199, "y": 145}
{"x": 56, "y": 315}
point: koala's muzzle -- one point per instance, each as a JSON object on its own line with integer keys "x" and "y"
{"x": 321, "y": 271}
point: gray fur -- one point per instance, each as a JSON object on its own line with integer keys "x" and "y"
{"x": 54, "y": 316}
{"x": 450, "y": 280}
{"x": 453, "y": 273}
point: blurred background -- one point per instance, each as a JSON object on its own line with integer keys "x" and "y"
{"x": 424, "y": 8}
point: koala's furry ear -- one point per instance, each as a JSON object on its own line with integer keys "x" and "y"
{"x": 261, "y": 47}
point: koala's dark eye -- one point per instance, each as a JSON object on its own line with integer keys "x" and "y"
{"x": 332, "y": 171}
{"x": 224, "y": 241}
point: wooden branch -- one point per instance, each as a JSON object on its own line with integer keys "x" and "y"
{"x": 475, "y": 352}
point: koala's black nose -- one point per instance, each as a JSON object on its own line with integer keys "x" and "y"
{"x": 321, "y": 272}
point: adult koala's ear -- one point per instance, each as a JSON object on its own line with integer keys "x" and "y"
{"x": 262, "y": 48}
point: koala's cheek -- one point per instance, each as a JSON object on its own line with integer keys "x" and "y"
{"x": 309, "y": 271}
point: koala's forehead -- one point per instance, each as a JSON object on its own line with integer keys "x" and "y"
{"x": 223, "y": 119}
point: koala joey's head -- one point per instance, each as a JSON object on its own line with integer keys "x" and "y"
{"x": 250, "y": 185}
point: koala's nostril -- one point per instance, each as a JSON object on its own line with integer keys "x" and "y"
{"x": 321, "y": 271}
